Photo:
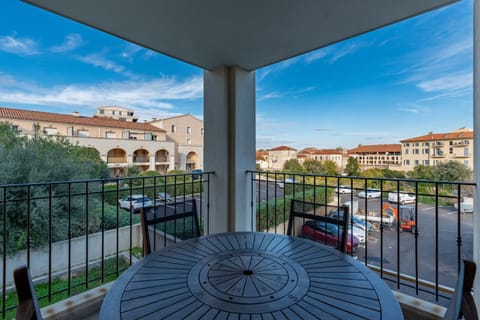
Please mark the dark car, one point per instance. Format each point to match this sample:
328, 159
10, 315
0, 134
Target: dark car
196, 174
328, 233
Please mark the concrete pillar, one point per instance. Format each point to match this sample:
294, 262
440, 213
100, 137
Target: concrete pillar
476, 144
171, 165
152, 162
229, 146
130, 160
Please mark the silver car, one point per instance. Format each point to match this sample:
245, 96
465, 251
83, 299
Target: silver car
135, 202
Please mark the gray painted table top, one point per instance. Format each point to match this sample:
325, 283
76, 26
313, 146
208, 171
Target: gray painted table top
248, 275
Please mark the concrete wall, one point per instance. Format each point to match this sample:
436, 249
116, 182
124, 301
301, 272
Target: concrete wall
39, 258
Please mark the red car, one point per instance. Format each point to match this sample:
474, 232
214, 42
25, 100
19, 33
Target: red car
328, 233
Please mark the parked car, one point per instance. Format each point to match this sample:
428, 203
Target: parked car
401, 197
357, 222
343, 189
328, 233
281, 184
164, 197
135, 202
196, 174
466, 206
370, 193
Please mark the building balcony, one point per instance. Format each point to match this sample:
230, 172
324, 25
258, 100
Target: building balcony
143, 160
438, 155
85, 256
460, 155
116, 160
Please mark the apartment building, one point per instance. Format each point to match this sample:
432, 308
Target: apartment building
120, 143
116, 112
434, 148
338, 156
187, 132
279, 155
378, 156
261, 157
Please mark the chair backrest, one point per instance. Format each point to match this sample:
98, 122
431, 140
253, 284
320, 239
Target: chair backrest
180, 219
310, 211
27, 308
462, 303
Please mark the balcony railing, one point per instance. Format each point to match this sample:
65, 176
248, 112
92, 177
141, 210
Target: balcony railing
116, 159
76, 235
421, 261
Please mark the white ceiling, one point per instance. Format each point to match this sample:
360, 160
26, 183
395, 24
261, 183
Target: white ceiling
247, 33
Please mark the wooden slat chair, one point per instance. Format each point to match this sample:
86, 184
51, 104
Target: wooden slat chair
462, 303
28, 308
308, 211
183, 215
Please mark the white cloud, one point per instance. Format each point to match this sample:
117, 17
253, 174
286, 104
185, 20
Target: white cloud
452, 83
138, 95
99, 60
21, 46
72, 41
271, 95
411, 110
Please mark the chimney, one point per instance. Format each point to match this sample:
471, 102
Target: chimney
76, 114
154, 119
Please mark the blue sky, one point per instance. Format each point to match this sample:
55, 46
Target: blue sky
394, 83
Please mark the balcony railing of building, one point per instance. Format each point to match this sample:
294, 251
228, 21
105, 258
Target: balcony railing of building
141, 159
421, 260
77, 235
116, 159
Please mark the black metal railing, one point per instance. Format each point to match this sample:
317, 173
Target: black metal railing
75, 235
421, 229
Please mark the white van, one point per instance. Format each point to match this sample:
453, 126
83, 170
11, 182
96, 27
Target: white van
402, 197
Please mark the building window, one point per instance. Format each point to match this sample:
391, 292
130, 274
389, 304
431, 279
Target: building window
465, 162
113, 112
101, 111
82, 133
407, 162
465, 152
189, 141
50, 131
109, 134
451, 143
173, 129
70, 131
450, 150
426, 162
406, 151
427, 151
416, 162
189, 130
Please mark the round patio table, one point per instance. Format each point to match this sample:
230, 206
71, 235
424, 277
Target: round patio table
249, 275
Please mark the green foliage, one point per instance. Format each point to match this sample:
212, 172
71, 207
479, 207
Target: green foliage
445, 171
44, 159
276, 211
330, 167
312, 166
292, 165
134, 171
352, 168
177, 171
387, 173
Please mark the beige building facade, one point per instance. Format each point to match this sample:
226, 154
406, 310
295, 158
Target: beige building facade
339, 157
435, 148
187, 132
378, 156
279, 155
116, 112
121, 144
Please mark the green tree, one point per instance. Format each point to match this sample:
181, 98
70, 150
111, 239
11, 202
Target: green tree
292, 165
422, 172
352, 168
41, 159
312, 166
330, 168
452, 171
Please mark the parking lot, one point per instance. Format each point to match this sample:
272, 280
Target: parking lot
433, 254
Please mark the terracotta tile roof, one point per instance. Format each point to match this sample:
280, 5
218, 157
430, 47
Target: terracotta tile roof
261, 153
309, 151
376, 148
283, 148
301, 156
9, 113
442, 136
